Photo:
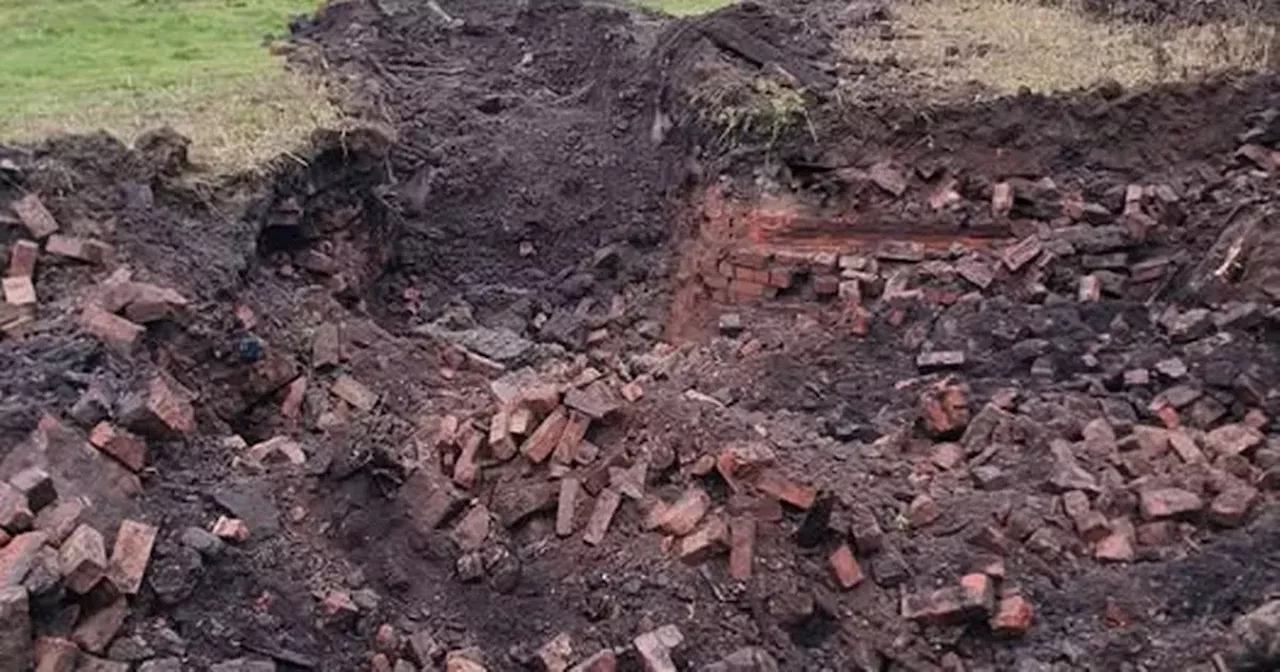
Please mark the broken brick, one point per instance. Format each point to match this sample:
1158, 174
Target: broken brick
17, 557
84, 559
684, 515
276, 448
1168, 503
566, 505
1001, 199
712, 537
1233, 439
845, 567
355, 393
742, 541
60, 520
900, 250
326, 346
1021, 253
37, 486
129, 449
15, 511
944, 411
604, 661
1090, 289
1231, 507
575, 430
521, 421
19, 291
655, 648
160, 411
772, 482
940, 359
1013, 615
55, 654
922, 511
543, 441
502, 446
231, 529
80, 249
632, 392
1118, 545
741, 462
467, 468
888, 178
1185, 446
131, 555
596, 401
973, 598
22, 259
96, 630
39, 222
601, 516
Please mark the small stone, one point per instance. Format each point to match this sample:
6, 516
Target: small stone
231, 529
945, 359
1233, 439
988, 477
845, 567
922, 511
730, 324
1231, 507
556, 653
202, 541
1013, 615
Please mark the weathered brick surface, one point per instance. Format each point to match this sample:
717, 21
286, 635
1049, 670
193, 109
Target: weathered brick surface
130, 449
710, 538
96, 630
845, 567
742, 542
39, 222
84, 559
601, 516
543, 441
131, 555
17, 556
683, 516
354, 392
55, 654
19, 291
22, 259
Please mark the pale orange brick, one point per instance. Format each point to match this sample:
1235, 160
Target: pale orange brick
773, 482
128, 448
19, 291
118, 333
84, 559
231, 529
845, 567
30, 209
742, 543
543, 441
131, 555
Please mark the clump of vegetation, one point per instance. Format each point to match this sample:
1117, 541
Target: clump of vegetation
764, 107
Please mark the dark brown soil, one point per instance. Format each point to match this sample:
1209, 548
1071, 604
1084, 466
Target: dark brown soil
508, 176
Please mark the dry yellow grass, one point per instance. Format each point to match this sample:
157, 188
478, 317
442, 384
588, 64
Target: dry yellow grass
1007, 45
233, 126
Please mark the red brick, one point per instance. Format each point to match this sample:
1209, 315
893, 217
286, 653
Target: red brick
845, 567
757, 276
922, 511
746, 289
601, 516
742, 462
19, 291
567, 505
118, 333
944, 410
521, 421
466, 470
1168, 503
15, 510
129, 449
750, 258
231, 529
71, 247
502, 446
1021, 253
1231, 507
973, 598
159, 411
1185, 446
1013, 615
30, 209
60, 520
22, 259
151, 303
84, 559
782, 278
684, 515
632, 392
542, 398
742, 543
543, 441
96, 630
709, 539
1233, 439
131, 555
826, 285
1169, 416
772, 482
17, 556
1090, 290
1115, 547
54, 654
575, 430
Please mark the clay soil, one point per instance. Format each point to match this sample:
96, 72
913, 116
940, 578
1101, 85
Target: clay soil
548, 193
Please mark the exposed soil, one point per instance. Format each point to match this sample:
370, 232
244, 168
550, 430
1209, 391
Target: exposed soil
545, 193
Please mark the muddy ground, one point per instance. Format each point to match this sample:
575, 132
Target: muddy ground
570, 194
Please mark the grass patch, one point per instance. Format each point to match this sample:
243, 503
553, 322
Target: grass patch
1006, 45
686, 7
201, 66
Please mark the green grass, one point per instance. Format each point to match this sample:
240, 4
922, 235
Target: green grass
687, 7
124, 65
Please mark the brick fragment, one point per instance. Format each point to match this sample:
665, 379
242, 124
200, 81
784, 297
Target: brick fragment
710, 538
845, 567
31, 211
502, 446
684, 515
944, 410
973, 598
160, 411
1233, 439
742, 462
17, 557
742, 542
354, 392
884, 175
74, 247
1021, 253
543, 441
575, 430
83, 557
1090, 289
131, 555
1231, 507
295, 393
15, 511
91, 663
900, 250
655, 648
567, 505
22, 259
521, 421
37, 486
326, 346
1118, 545
1013, 616
632, 392
55, 654
466, 469
96, 630
597, 401
601, 516
922, 511
826, 285
60, 520
128, 448
1168, 503
151, 303
16, 650
231, 529
1001, 199
19, 291
772, 482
